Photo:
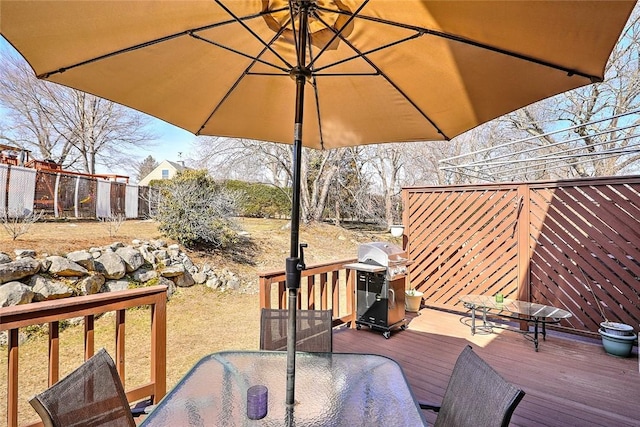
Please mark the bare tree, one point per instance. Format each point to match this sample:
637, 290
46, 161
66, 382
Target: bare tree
71, 127
352, 195
27, 106
100, 131
272, 163
244, 159
388, 160
601, 140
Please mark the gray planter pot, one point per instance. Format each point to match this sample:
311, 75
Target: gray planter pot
617, 345
613, 328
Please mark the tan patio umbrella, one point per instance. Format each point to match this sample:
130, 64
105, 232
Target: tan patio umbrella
356, 71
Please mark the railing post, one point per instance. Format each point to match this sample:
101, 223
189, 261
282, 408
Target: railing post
282, 295
324, 292
159, 348
89, 341
351, 301
120, 341
265, 293
335, 304
12, 383
311, 293
54, 352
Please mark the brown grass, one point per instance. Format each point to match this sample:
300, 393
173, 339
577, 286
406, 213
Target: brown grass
199, 321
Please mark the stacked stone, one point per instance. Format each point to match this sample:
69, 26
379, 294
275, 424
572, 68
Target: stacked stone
115, 267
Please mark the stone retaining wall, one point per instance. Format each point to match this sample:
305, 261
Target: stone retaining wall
27, 278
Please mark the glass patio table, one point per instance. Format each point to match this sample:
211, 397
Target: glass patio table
332, 389
538, 314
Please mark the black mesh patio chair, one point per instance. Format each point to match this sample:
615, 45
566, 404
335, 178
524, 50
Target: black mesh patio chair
313, 330
91, 395
476, 395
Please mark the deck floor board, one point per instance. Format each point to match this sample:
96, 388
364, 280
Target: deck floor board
570, 381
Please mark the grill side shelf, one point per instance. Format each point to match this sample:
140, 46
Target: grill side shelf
366, 267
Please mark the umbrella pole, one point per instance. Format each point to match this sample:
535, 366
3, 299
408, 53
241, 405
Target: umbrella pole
294, 264
293, 274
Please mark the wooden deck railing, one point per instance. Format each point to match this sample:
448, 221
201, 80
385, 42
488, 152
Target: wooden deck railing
52, 312
323, 287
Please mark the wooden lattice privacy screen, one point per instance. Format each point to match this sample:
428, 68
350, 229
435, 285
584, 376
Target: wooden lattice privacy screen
546, 242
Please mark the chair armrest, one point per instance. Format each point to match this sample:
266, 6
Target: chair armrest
429, 407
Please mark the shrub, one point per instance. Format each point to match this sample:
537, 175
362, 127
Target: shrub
113, 223
261, 200
196, 211
16, 224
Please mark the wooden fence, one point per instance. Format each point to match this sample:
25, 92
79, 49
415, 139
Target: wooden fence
555, 243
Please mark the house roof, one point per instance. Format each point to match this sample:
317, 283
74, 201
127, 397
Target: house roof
176, 165
162, 165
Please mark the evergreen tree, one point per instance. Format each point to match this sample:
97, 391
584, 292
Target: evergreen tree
146, 166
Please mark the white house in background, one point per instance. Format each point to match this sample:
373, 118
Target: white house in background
165, 170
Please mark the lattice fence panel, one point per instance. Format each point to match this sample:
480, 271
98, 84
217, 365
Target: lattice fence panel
574, 240
463, 242
585, 241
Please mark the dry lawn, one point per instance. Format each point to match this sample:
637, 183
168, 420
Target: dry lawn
199, 320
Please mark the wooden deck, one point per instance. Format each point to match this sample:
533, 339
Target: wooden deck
569, 382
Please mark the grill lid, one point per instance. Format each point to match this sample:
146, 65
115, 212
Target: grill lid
382, 253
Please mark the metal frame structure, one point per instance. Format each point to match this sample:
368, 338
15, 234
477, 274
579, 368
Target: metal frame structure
540, 157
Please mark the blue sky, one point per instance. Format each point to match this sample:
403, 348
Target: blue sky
170, 141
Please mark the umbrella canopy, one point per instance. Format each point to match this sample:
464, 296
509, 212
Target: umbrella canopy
376, 70
379, 70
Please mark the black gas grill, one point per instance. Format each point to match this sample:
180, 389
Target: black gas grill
380, 281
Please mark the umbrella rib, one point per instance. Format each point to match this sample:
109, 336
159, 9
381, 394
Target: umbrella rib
254, 58
60, 70
189, 32
336, 34
292, 21
369, 52
570, 71
245, 73
389, 80
316, 96
253, 33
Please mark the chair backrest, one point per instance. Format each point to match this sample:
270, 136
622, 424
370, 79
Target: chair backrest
313, 330
477, 395
91, 395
